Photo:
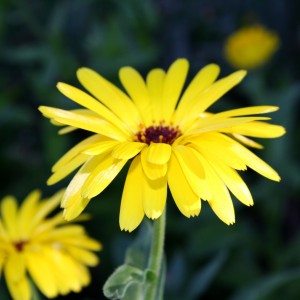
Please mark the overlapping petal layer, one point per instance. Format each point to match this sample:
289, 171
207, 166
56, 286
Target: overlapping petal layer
170, 136
54, 254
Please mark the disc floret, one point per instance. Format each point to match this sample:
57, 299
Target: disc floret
158, 133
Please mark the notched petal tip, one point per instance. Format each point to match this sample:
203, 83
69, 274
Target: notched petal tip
129, 230
153, 215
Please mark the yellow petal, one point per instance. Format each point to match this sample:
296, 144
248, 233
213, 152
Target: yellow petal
73, 211
159, 153
19, 290
2, 259
83, 256
252, 110
219, 88
205, 77
186, 200
66, 129
45, 207
152, 171
86, 122
67, 169
74, 206
84, 242
154, 196
211, 95
60, 233
76, 150
66, 270
89, 102
234, 182
9, 209
50, 223
26, 213
102, 175
193, 171
173, 85
101, 147
15, 267
221, 202
218, 148
132, 211
111, 96
127, 150
137, 90
39, 268
3, 233
257, 129
85, 276
255, 163
212, 124
155, 84
246, 141
72, 200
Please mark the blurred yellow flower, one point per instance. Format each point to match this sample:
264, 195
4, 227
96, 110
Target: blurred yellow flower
250, 47
172, 144
54, 254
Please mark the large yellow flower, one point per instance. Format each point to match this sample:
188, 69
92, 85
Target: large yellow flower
250, 47
56, 255
172, 144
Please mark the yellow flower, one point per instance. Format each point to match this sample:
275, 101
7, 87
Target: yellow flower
250, 47
172, 144
54, 254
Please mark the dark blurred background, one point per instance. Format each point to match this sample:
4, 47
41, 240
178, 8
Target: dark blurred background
43, 42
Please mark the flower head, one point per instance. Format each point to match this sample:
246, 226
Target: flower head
250, 47
55, 255
176, 144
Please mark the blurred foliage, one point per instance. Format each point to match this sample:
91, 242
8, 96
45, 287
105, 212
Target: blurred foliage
46, 41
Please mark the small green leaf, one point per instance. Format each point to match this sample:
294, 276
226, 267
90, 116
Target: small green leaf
122, 278
137, 254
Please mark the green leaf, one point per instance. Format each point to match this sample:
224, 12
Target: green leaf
128, 281
137, 254
122, 278
263, 287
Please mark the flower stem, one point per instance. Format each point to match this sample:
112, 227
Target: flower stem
156, 254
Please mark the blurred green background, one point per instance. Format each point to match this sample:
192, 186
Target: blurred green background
43, 42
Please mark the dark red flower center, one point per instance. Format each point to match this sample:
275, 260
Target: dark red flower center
158, 134
20, 245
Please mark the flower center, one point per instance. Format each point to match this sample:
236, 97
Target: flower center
20, 245
158, 134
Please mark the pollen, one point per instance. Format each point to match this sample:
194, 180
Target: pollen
160, 133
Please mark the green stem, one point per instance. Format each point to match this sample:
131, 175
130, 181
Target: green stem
156, 254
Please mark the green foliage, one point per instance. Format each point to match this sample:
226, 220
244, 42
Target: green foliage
130, 280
